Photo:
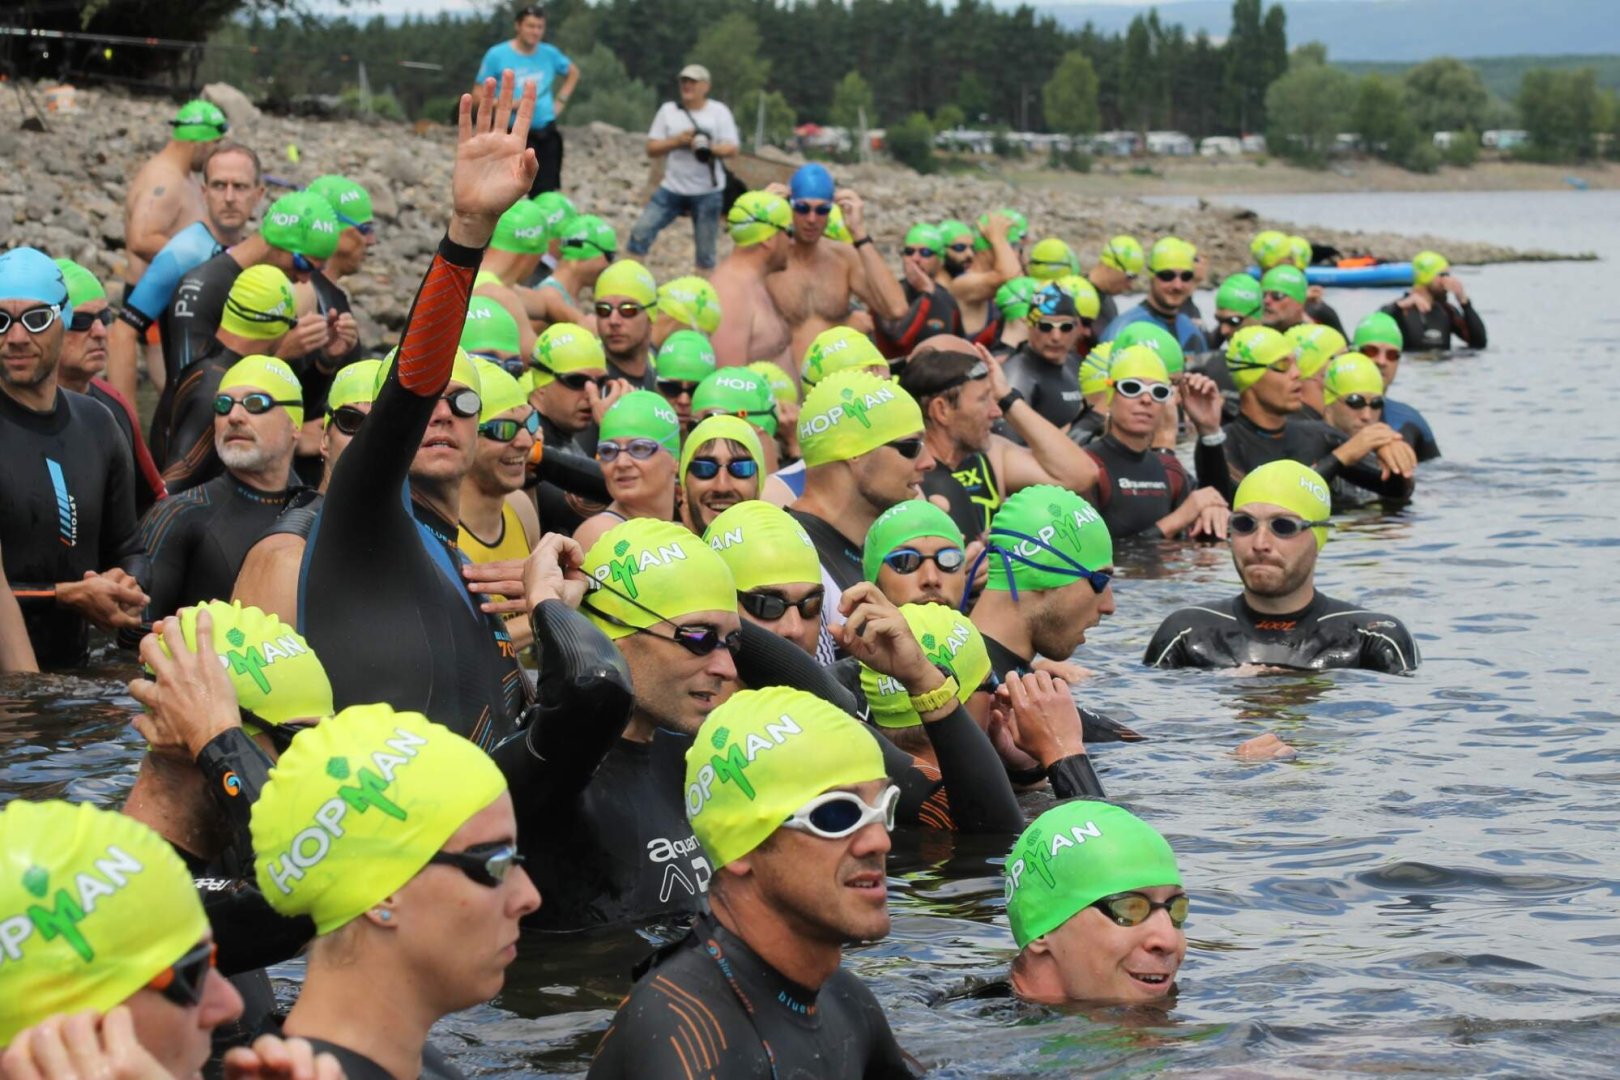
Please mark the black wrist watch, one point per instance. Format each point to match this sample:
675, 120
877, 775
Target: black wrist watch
1009, 399
861, 241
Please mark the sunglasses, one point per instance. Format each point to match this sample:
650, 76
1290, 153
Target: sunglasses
464, 402
574, 381
772, 606
347, 419
909, 449
1134, 908
182, 982
1378, 352
925, 252
1362, 401
1173, 275
707, 468
838, 814
960, 247
36, 320
640, 449
255, 403
674, 388
576, 242
1046, 327
1283, 528
364, 228
84, 320
506, 430
910, 560
487, 864
1277, 297
627, 309
1234, 321
819, 209
696, 639
1131, 388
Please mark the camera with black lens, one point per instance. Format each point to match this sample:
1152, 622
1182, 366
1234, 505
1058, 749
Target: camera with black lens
701, 148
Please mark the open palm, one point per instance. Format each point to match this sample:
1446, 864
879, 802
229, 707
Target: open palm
494, 166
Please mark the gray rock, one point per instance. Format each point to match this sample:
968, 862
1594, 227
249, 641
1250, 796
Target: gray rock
241, 112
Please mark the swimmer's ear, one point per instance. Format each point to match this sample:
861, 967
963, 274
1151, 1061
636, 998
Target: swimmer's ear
382, 915
1037, 947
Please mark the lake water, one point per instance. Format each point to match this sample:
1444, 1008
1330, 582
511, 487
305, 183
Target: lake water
1430, 888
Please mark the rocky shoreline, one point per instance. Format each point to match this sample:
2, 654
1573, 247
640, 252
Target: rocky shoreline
62, 189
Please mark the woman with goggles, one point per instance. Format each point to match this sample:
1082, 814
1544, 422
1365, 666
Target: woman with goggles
640, 439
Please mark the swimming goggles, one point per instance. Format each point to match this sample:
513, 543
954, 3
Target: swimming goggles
838, 814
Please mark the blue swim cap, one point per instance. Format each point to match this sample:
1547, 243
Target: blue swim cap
812, 181
29, 274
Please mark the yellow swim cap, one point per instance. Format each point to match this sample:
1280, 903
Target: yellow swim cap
1094, 368
1124, 253
1172, 253
461, 371
650, 571
277, 676
782, 385
724, 427
838, 348
757, 216
1314, 346
763, 545
357, 806
1084, 294
1428, 265
354, 384
1351, 373
852, 413
692, 302
271, 376
563, 349
1269, 248
498, 390
260, 305
627, 278
949, 640
1293, 487
1050, 259
1137, 362
761, 756
93, 906
1252, 351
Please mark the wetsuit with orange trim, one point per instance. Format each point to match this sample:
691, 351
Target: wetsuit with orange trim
381, 598
927, 315
185, 447
710, 1007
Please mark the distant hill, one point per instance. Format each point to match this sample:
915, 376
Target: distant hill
1397, 30
1501, 74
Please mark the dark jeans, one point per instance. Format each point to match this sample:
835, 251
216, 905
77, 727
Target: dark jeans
547, 144
665, 207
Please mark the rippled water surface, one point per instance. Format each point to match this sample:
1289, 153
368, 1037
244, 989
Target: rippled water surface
1430, 888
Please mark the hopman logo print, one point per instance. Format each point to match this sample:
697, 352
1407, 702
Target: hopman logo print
730, 766
59, 916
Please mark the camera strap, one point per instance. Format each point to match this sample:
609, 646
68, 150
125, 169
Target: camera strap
712, 178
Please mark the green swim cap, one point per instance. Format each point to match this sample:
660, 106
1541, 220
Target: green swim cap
1074, 855
1240, 293
277, 676
734, 428
1300, 251
358, 805
497, 389
952, 230
556, 209
1136, 362
949, 640
1156, 338
739, 790
1015, 235
851, 413
563, 349
351, 201
783, 388
586, 236
899, 525
521, 230
692, 302
1016, 297
1293, 487
83, 287
836, 229
630, 279
685, 355
658, 565
260, 305
1269, 248
1050, 259
1252, 351
924, 235
1315, 345
733, 391
839, 348
643, 414
1041, 537
1172, 253
93, 906
270, 375
199, 121
490, 329
764, 546
303, 223
1094, 369
1351, 373
1124, 253
757, 216
352, 385
1287, 279
1087, 302
1379, 328
1426, 266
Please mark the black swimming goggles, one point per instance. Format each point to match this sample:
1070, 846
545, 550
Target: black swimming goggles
1134, 908
697, 639
768, 607
254, 403
183, 981
487, 864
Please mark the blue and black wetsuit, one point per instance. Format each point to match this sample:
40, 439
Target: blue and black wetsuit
1326, 633
186, 250
1413, 428
193, 314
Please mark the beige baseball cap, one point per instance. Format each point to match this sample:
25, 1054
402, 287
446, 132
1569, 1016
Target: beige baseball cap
695, 71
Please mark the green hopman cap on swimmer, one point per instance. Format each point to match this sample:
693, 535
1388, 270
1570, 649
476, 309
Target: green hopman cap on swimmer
277, 676
761, 756
1124, 253
563, 349
630, 279
1379, 328
1351, 373
853, 413
659, 566
951, 231
764, 546
353, 385
1428, 265
1041, 537
587, 236
643, 414
1292, 486
1016, 297
521, 230
1156, 338
949, 640
199, 121
839, 348
1240, 293
303, 223
499, 391
349, 199
1050, 259
685, 356
734, 428
781, 383
757, 216
898, 526
270, 375
925, 235
93, 906
490, 329
357, 806
1074, 855
1287, 279
1315, 345
556, 209
735, 391
83, 287
260, 305
1015, 235
1252, 351
692, 302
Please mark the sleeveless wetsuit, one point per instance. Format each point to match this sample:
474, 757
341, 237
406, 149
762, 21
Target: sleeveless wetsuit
978, 483
1052, 389
381, 598
1435, 328
67, 506
1309, 442
149, 487
1135, 488
710, 1007
1328, 633
188, 456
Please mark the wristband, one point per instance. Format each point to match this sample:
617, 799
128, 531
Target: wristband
1215, 439
862, 240
1009, 399
936, 698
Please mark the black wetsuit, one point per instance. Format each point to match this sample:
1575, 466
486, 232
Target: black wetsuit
709, 1006
1135, 488
67, 506
1323, 315
1095, 727
149, 486
1107, 311
196, 541
1327, 633
1053, 390
1434, 329
647, 380
193, 315
183, 441
558, 512
971, 488
1309, 442
316, 370
1088, 427
927, 315
381, 598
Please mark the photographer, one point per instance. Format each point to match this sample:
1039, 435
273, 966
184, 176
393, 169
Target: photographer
695, 134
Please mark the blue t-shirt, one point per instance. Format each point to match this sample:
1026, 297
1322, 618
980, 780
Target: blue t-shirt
1186, 331
186, 250
542, 66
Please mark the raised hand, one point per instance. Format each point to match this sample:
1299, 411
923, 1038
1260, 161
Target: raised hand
494, 165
